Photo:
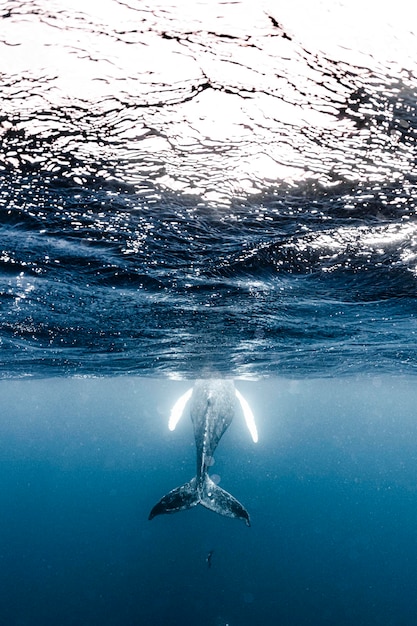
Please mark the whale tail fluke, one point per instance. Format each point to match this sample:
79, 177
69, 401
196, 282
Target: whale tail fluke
179, 499
220, 501
206, 493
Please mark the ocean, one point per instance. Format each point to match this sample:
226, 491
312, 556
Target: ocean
207, 190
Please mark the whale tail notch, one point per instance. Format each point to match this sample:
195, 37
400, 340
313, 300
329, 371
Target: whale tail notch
207, 493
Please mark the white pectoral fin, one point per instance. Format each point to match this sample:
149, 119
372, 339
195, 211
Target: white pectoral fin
248, 415
178, 409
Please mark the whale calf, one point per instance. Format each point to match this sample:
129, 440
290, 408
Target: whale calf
212, 408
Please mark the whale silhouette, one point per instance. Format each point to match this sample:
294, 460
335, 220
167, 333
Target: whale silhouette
213, 405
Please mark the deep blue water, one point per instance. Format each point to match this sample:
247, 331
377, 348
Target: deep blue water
191, 190
330, 488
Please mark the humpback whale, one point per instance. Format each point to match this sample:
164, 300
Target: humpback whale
212, 408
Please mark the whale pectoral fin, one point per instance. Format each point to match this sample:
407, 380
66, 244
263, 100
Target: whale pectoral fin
248, 415
179, 499
220, 501
178, 409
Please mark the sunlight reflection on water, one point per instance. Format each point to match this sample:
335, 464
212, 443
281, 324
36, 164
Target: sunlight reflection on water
211, 181
230, 96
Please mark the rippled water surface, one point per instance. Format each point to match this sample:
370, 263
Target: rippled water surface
200, 187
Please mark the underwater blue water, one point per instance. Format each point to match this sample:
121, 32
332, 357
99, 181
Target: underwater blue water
330, 488
204, 190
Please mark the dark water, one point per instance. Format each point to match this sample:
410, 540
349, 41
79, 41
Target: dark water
192, 190
330, 488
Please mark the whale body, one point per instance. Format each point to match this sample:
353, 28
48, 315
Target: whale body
213, 406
